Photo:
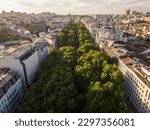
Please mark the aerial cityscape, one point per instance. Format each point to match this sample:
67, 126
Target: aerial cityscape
76, 56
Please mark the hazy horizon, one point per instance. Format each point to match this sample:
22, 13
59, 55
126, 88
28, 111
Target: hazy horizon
75, 6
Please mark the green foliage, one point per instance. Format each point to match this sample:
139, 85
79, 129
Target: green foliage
76, 77
85, 48
61, 40
68, 37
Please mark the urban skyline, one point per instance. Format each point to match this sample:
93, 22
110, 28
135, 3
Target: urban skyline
75, 6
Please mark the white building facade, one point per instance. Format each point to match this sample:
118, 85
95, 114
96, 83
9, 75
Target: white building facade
136, 85
25, 62
11, 93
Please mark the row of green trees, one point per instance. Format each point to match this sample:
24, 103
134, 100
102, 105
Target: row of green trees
76, 77
102, 80
68, 37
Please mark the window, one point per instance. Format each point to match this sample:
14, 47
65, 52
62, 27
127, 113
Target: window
149, 96
146, 93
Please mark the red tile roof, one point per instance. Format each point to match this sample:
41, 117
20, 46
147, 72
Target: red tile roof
127, 59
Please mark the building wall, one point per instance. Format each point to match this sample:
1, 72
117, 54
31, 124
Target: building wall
112, 36
42, 54
137, 91
39, 27
31, 67
10, 101
15, 65
27, 68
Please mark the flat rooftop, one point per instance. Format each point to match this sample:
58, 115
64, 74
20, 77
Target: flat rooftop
120, 51
142, 71
139, 71
14, 50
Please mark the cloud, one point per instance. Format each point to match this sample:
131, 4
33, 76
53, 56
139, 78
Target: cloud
40, 4
116, 6
76, 6
113, 3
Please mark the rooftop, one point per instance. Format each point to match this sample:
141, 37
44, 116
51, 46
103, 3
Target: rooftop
120, 51
126, 60
14, 50
141, 71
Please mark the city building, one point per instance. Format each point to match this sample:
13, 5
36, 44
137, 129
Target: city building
55, 25
11, 90
128, 12
24, 59
136, 84
112, 34
37, 27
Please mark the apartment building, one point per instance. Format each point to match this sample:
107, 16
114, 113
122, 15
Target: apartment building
136, 84
38, 26
110, 33
24, 60
55, 25
11, 90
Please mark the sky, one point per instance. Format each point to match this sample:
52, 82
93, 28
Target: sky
75, 6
